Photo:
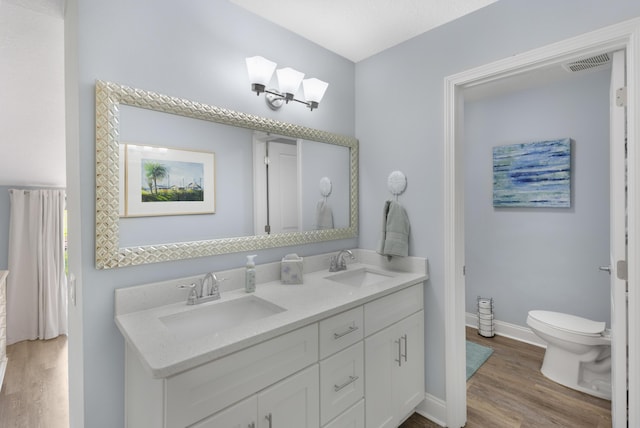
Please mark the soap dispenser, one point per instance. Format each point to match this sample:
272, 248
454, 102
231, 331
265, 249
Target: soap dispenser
250, 275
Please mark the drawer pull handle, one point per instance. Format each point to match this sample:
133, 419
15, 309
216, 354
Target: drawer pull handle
268, 417
351, 329
352, 379
405, 347
399, 359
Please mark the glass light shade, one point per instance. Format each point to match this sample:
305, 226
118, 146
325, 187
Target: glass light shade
260, 70
289, 80
314, 89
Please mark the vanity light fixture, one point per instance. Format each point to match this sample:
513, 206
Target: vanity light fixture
260, 72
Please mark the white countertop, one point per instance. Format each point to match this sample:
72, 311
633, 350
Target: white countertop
165, 353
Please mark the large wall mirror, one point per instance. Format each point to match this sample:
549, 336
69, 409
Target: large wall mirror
177, 179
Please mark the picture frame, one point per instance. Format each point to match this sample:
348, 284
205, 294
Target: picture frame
163, 181
533, 175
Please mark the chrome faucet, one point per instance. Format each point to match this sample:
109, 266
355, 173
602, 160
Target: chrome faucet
338, 262
210, 281
208, 289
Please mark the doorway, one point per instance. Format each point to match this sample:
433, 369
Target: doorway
277, 190
618, 37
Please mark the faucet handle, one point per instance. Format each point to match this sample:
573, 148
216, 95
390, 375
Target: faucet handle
342, 264
333, 264
193, 294
215, 286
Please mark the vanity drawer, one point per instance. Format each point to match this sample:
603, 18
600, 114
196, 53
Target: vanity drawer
340, 331
341, 381
197, 393
352, 418
392, 308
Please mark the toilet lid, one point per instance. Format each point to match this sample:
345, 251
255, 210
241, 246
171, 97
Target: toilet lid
568, 322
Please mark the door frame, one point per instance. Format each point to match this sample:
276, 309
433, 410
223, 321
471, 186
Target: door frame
625, 35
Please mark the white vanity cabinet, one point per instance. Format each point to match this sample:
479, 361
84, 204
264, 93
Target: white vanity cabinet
361, 367
292, 402
194, 395
394, 357
241, 415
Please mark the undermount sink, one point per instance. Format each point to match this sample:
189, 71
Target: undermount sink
215, 317
359, 277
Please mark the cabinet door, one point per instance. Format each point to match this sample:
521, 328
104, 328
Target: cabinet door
381, 351
394, 372
291, 403
408, 390
241, 415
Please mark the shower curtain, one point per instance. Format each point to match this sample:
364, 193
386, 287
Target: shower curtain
37, 284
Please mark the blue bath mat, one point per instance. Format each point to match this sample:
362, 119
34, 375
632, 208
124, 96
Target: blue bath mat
476, 356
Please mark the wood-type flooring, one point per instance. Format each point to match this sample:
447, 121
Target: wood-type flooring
508, 391
35, 389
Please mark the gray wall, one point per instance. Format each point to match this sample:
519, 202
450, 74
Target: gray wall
399, 121
197, 51
536, 258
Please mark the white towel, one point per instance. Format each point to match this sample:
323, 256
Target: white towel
324, 215
395, 231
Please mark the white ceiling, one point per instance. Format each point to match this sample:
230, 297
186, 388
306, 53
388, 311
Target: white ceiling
358, 29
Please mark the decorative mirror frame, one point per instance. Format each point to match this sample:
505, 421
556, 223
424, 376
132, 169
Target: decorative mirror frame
109, 254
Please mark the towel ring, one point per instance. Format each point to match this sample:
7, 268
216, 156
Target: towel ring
325, 187
397, 183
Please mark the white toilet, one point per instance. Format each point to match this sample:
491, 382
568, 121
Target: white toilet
578, 351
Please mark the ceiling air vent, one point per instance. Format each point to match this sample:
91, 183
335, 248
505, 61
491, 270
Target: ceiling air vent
587, 63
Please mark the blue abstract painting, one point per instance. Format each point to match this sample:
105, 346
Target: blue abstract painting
532, 174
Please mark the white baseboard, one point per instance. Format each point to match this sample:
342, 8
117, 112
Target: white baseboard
512, 331
433, 409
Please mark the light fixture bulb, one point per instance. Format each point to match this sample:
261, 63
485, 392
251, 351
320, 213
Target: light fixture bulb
314, 89
289, 81
260, 71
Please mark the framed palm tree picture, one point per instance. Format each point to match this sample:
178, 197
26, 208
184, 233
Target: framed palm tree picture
160, 181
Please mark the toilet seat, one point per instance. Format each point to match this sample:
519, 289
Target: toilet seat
569, 323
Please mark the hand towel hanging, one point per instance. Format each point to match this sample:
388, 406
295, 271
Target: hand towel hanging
324, 215
395, 231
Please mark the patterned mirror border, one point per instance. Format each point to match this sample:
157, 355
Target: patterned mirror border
109, 254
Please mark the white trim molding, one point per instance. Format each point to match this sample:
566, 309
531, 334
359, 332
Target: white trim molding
512, 331
433, 408
625, 35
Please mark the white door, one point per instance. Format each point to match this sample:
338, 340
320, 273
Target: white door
618, 245
283, 187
